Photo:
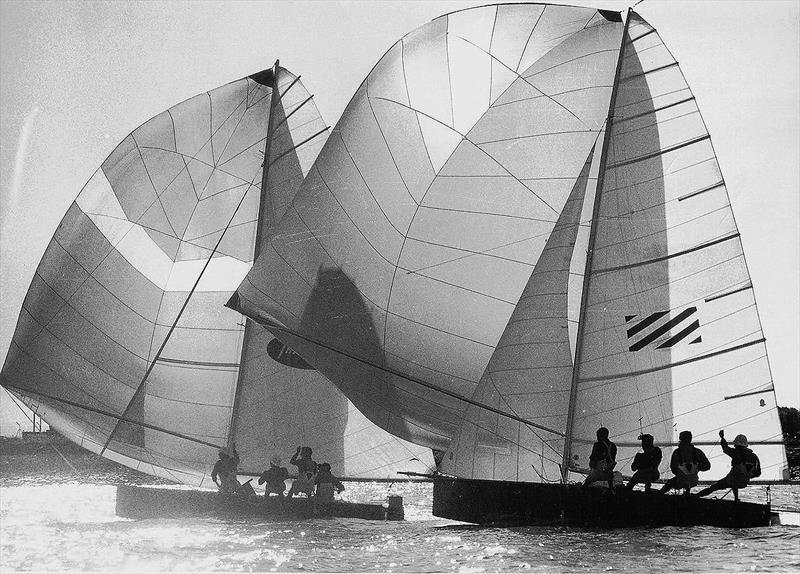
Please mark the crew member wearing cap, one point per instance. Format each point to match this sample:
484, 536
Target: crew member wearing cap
645, 464
744, 466
225, 470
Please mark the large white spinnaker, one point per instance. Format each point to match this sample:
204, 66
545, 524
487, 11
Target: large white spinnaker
104, 349
397, 267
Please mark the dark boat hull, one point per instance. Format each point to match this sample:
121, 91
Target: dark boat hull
509, 503
148, 502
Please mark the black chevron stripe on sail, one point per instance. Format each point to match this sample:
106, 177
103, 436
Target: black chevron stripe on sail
663, 329
680, 336
644, 323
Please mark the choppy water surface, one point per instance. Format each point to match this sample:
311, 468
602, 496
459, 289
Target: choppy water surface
46, 526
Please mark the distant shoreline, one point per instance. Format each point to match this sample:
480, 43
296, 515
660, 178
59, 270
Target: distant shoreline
50, 454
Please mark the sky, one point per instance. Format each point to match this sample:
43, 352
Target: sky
77, 77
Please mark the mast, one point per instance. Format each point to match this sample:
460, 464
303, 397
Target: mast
565, 460
265, 213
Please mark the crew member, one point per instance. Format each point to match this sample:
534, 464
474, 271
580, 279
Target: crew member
274, 477
744, 466
602, 460
225, 469
306, 469
686, 462
645, 464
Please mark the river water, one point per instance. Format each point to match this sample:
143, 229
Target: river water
52, 524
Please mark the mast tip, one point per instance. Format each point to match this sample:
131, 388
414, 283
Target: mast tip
264, 77
610, 15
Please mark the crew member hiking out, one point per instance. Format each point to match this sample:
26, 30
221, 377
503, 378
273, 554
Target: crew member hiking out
326, 484
645, 464
306, 469
686, 462
602, 460
744, 466
224, 472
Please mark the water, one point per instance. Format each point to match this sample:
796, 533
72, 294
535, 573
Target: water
56, 523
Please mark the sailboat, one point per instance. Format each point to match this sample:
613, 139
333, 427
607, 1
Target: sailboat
123, 344
518, 232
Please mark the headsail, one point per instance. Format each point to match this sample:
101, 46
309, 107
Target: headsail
399, 263
180, 192
529, 373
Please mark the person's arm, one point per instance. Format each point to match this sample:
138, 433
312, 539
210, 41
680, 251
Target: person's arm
702, 460
657, 457
595, 455
674, 463
293, 460
636, 461
724, 444
215, 473
263, 478
725, 448
755, 472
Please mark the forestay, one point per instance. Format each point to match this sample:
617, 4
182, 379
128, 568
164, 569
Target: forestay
103, 350
400, 261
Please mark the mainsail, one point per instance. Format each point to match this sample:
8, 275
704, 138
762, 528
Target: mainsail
402, 257
123, 343
669, 338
